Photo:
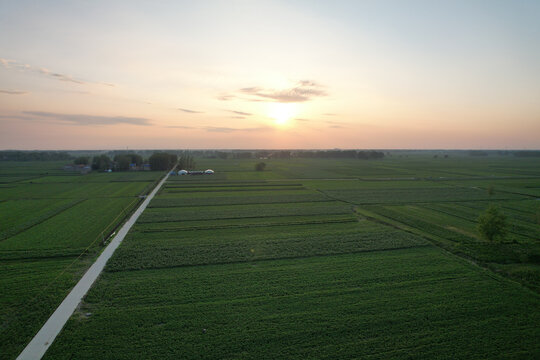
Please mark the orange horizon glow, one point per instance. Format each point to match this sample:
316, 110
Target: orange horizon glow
236, 75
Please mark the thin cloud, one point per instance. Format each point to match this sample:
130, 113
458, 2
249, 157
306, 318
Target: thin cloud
83, 119
179, 127
229, 130
13, 92
302, 91
190, 111
21, 67
237, 117
225, 97
301, 119
239, 113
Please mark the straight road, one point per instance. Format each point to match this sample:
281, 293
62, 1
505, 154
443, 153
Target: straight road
37, 347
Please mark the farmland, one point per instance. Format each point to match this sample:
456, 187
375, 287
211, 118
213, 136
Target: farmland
53, 224
322, 258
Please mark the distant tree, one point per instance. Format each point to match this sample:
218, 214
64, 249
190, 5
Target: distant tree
492, 224
123, 161
260, 166
222, 155
101, 162
162, 161
82, 160
186, 162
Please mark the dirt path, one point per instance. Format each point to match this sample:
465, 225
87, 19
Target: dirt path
37, 347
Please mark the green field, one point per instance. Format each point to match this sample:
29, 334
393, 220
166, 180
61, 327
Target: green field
53, 224
321, 258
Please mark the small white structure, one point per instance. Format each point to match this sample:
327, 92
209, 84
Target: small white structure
209, 171
172, 173
182, 172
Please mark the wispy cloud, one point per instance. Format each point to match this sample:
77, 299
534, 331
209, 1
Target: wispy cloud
225, 97
229, 129
301, 91
22, 67
190, 111
83, 119
179, 127
301, 119
239, 113
13, 92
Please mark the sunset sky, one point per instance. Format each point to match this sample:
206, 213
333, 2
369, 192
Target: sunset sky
269, 74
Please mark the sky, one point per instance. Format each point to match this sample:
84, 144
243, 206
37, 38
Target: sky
270, 74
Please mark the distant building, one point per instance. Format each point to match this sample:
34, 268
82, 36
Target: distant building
182, 172
209, 172
146, 167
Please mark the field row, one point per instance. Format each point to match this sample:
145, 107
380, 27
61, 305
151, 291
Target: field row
350, 306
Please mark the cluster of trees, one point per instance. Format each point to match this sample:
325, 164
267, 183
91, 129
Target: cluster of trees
186, 162
82, 160
162, 161
123, 161
12, 155
101, 163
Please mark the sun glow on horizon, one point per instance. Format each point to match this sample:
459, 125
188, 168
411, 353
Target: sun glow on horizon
282, 113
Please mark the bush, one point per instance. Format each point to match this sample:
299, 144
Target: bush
260, 166
492, 224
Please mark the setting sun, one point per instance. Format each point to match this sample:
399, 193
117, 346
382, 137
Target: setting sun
281, 113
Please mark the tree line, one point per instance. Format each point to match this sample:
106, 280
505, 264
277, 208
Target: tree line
122, 162
288, 154
15, 155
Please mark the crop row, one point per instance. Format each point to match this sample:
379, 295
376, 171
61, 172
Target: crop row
245, 223
163, 202
369, 305
19, 215
75, 228
415, 195
157, 250
73, 190
242, 211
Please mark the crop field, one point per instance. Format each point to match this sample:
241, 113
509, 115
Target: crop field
53, 224
322, 258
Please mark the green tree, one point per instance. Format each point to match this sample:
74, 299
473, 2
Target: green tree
492, 224
260, 166
122, 161
186, 162
101, 162
82, 160
162, 161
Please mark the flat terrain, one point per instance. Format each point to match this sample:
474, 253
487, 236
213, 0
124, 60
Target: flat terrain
323, 259
54, 223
